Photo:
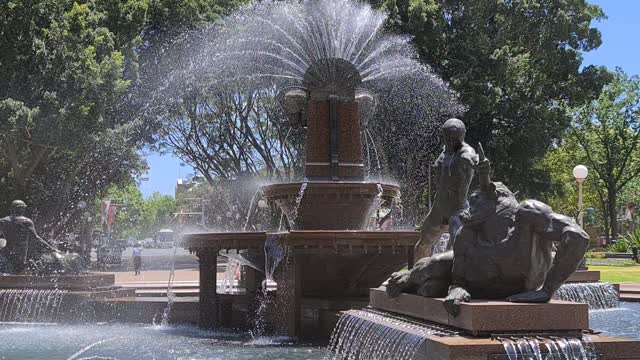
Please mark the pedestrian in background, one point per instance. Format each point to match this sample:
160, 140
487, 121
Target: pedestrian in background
137, 258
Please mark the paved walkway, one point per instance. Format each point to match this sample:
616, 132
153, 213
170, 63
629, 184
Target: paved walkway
191, 275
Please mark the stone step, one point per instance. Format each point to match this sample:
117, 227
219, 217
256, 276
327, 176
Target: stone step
630, 288
158, 284
163, 292
629, 297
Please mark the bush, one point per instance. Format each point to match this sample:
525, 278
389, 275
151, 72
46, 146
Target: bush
595, 255
632, 238
620, 246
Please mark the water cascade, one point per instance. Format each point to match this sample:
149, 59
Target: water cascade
375, 334
166, 314
555, 348
29, 305
294, 213
596, 295
249, 211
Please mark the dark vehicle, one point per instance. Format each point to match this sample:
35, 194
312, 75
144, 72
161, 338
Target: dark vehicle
121, 243
165, 239
109, 256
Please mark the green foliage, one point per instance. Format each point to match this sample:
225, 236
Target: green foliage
514, 64
140, 218
632, 238
604, 137
66, 132
619, 246
595, 255
608, 132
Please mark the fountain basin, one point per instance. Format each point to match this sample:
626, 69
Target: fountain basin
330, 205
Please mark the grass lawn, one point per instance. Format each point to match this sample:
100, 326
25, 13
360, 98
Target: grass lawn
618, 274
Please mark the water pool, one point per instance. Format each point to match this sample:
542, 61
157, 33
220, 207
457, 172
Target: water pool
139, 341
131, 341
622, 321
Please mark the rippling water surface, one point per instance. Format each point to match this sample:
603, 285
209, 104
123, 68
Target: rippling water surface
138, 341
621, 321
130, 341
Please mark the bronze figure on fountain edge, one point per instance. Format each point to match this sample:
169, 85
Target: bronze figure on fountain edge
22, 250
500, 249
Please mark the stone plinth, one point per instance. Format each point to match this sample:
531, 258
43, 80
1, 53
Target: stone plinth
61, 282
584, 276
488, 317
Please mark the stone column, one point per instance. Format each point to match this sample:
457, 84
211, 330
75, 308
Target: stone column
208, 260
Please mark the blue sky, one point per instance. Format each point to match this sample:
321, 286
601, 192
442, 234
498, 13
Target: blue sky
620, 47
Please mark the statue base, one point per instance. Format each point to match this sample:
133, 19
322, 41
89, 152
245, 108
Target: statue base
484, 329
486, 317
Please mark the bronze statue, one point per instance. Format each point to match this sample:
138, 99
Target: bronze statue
502, 250
24, 250
454, 168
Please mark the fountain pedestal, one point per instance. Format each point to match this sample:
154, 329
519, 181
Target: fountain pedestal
324, 273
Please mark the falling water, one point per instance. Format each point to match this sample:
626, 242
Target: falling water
253, 200
294, 211
274, 253
555, 348
166, 314
398, 207
30, 305
373, 334
378, 200
596, 295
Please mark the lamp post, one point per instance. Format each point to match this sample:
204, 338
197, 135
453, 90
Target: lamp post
82, 205
580, 172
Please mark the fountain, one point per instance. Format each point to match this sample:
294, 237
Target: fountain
41, 283
334, 68
333, 73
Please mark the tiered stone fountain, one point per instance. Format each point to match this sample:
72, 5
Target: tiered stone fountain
331, 259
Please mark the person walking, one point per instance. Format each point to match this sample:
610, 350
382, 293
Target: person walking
137, 258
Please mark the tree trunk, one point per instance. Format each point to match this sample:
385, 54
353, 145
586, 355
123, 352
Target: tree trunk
612, 199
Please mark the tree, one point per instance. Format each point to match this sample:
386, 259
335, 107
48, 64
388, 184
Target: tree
65, 90
562, 195
608, 130
139, 217
514, 64
237, 138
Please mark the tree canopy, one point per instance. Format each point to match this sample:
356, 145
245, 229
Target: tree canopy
514, 64
66, 129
